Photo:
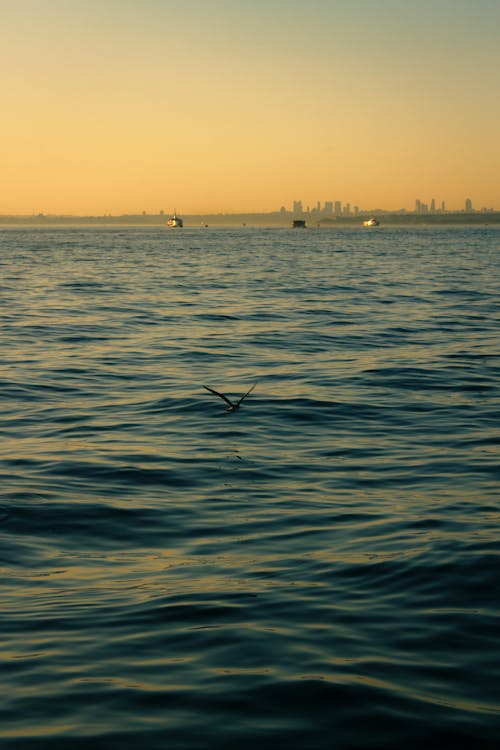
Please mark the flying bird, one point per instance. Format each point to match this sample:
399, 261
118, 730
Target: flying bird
230, 405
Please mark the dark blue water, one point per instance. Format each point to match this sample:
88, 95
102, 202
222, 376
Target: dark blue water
318, 569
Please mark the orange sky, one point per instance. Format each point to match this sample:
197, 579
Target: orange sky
115, 106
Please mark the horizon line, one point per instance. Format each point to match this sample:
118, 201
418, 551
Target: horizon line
275, 212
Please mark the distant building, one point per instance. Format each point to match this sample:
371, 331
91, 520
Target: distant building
328, 207
443, 207
338, 208
418, 206
297, 207
468, 206
433, 206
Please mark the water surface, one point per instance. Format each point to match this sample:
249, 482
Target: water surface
319, 569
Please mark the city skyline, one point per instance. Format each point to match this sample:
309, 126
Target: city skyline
337, 208
217, 106
321, 210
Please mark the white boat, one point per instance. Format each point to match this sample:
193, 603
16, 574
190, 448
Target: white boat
371, 223
175, 221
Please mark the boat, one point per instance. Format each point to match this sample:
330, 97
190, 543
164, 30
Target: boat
175, 221
371, 223
299, 224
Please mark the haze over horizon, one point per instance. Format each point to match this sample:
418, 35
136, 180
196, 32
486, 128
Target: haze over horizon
232, 105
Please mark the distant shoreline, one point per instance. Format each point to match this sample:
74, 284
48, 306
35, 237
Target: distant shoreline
275, 219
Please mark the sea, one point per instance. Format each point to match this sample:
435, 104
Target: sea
318, 569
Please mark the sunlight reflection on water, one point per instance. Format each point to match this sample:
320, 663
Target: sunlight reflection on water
176, 574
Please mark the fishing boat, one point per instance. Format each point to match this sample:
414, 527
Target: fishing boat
175, 221
371, 223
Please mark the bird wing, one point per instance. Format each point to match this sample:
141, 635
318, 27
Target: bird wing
220, 395
246, 394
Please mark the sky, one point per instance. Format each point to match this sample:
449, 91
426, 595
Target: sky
124, 106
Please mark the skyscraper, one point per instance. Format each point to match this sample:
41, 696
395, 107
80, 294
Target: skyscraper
468, 206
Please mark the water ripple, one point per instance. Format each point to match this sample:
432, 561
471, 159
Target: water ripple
318, 568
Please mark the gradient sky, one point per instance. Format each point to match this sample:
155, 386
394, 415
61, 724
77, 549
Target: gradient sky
115, 106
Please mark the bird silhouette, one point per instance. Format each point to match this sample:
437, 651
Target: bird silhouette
231, 406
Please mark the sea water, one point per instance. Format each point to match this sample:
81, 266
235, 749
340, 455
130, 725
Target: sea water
317, 569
